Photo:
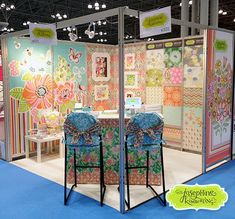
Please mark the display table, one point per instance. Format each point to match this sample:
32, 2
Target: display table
48, 139
110, 135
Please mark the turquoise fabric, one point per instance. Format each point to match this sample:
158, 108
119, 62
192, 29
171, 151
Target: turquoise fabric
145, 121
82, 121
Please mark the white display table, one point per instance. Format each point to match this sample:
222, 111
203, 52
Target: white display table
48, 139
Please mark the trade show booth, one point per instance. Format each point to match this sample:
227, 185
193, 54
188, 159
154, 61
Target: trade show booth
187, 81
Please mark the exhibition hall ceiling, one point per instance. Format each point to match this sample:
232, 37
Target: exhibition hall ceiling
18, 13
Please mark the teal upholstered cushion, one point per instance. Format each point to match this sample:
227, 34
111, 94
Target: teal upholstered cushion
83, 121
144, 121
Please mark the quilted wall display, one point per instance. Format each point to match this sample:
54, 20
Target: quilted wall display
42, 78
219, 96
164, 79
193, 94
102, 73
135, 70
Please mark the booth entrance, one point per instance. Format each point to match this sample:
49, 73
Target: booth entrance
175, 77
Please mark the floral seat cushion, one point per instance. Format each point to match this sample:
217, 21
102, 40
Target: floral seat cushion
82, 130
144, 131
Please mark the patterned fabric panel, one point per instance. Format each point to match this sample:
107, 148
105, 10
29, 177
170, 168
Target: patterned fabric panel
193, 97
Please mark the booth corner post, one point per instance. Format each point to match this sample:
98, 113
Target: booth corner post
121, 107
6, 98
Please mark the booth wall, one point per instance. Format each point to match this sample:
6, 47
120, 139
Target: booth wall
102, 71
219, 96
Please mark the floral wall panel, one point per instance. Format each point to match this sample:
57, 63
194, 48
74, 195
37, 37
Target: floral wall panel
219, 96
102, 73
192, 129
31, 86
69, 74
135, 70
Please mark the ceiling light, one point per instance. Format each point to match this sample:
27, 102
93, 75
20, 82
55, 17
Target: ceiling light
105, 22
105, 33
11, 29
100, 33
65, 16
80, 37
99, 23
220, 11
53, 16
3, 5
58, 15
8, 8
101, 40
69, 28
103, 6
234, 20
89, 6
131, 15
60, 18
105, 40
24, 23
72, 36
98, 40
74, 28
180, 4
90, 33
28, 22
225, 13
190, 2
12, 6
64, 29
97, 8
96, 4
131, 37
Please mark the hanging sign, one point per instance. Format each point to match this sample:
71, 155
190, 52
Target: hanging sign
155, 22
43, 33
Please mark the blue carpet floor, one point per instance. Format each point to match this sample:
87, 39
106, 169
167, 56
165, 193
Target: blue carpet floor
24, 195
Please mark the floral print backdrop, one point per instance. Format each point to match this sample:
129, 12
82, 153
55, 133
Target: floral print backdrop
219, 96
42, 78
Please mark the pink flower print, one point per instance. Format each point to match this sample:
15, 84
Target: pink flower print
14, 67
109, 137
34, 114
176, 75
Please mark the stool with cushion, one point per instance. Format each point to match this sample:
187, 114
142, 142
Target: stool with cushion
82, 130
144, 132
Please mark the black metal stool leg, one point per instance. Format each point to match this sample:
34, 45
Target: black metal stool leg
147, 170
65, 176
102, 184
74, 165
163, 177
127, 177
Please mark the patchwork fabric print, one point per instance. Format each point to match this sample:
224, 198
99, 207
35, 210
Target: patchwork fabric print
173, 57
172, 116
193, 77
193, 97
154, 95
173, 76
155, 59
172, 96
173, 136
154, 77
193, 56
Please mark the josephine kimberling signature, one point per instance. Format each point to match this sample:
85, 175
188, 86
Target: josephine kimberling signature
191, 197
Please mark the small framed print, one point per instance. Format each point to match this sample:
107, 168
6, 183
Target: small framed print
101, 92
100, 67
130, 61
131, 80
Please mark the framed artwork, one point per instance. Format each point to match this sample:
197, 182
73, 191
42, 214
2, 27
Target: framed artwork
131, 80
101, 92
130, 61
100, 67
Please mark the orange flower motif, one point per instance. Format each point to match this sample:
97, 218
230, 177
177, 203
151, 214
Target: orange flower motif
38, 93
64, 92
173, 96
